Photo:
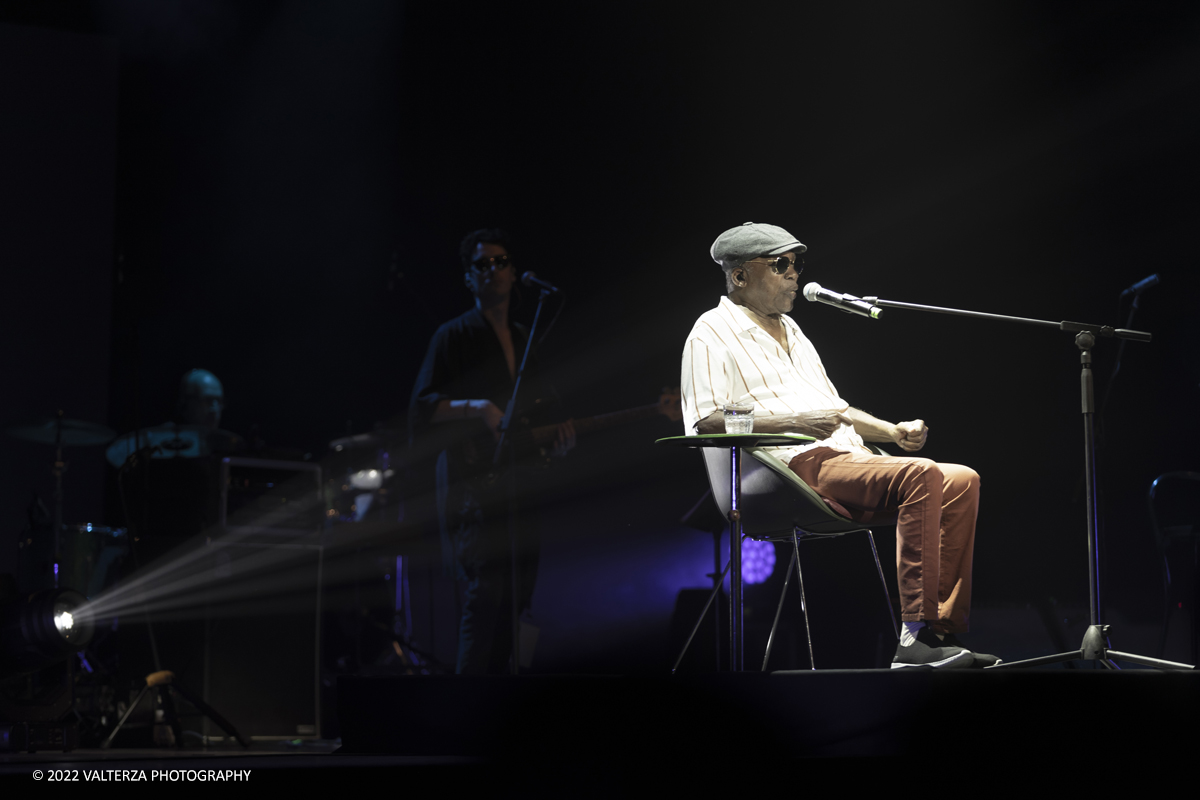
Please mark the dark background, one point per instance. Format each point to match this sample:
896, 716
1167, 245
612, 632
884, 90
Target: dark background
286, 183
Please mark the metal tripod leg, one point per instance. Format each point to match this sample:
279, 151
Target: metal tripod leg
107, 743
712, 596
212, 714
1095, 648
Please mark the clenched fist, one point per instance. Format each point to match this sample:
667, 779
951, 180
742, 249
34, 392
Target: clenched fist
910, 436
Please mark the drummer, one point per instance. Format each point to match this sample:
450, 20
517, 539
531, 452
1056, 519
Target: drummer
196, 431
169, 489
201, 399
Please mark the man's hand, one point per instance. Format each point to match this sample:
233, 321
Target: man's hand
565, 439
487, 411
819, 424
910, 436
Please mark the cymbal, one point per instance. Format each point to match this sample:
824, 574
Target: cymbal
380, 437
173, 441
356, 441
75, 432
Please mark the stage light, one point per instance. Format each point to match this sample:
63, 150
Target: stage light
38, 630
369, 479
64, 622
758, 560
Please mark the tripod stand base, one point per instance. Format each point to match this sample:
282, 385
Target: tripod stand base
164, 681
1095, 648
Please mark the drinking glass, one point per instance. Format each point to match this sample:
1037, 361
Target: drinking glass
739, 417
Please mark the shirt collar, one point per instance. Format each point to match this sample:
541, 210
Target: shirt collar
740, 321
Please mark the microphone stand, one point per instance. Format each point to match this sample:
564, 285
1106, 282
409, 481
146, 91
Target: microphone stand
1096, 644
1133, 307
60, 467
503, 448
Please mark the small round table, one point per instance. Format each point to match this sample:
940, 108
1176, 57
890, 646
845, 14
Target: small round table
735, 442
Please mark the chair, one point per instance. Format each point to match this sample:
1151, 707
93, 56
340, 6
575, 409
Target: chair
1175, 518
777, 506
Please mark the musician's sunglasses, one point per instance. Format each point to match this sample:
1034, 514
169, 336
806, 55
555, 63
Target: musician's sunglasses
493, 264
780, 264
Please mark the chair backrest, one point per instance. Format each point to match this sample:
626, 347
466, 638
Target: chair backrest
774, 500
1174, 506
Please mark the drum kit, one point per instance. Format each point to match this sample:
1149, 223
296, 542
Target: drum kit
362, 475
92, 557
84, 556
77, 556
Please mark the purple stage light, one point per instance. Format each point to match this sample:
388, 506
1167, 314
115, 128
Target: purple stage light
758, 560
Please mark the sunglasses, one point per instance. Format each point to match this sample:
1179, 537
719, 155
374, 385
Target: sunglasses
493, 264
781, 264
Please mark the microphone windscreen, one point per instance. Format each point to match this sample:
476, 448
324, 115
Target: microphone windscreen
810, 291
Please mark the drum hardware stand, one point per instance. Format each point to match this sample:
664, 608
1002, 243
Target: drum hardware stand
164, 681
702, 517
1095, 645
61, 433
60, 467
131, 461
404, 645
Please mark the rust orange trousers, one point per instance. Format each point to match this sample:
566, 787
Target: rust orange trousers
934, 507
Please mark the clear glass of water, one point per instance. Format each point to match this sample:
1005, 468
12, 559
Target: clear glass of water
739, 418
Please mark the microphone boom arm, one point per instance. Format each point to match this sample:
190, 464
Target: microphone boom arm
1071, 327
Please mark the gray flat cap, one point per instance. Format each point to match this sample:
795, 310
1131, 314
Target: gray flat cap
751, 240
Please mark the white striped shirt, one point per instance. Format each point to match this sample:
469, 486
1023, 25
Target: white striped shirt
728, 358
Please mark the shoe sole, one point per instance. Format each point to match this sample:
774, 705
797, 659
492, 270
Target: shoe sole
961, 659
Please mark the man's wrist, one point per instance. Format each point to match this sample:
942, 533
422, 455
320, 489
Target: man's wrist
468, 409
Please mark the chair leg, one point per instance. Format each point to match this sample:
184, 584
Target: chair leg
883, 582
778, 609
700, 619
1167, 608
803, 603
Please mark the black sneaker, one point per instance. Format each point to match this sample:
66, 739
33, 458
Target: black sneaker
929, 651
981, 659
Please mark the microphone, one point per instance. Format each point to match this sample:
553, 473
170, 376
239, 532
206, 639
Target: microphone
531, 280
1142, 285
813, 293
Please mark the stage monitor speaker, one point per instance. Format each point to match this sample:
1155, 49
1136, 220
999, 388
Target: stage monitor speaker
262, 639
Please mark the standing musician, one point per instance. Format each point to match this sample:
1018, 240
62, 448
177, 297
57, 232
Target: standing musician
748, 350
458, 402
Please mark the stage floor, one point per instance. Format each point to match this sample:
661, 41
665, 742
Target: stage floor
823, 714
605, 733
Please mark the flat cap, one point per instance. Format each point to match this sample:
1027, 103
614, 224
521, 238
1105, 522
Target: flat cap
751, 240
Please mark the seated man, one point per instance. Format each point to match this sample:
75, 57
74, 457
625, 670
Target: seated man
748, 350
